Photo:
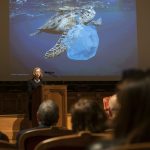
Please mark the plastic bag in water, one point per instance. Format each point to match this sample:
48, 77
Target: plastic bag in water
82, 42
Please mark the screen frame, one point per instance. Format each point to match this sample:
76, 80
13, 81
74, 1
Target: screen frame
143, 33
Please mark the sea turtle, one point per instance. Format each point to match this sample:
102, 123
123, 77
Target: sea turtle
65, 19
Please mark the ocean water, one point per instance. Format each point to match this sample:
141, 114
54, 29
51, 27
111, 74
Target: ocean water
117, 49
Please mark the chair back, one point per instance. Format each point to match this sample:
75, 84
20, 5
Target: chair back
31, 138
4, 145
78, 141
136, 146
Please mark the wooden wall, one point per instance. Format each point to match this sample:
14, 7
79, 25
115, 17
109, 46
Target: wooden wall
14, 97
14, 102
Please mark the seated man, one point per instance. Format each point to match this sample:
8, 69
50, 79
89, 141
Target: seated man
47, 116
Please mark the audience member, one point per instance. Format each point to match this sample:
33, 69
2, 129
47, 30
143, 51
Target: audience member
47, 116
114, 106
130, 76
88, 116
133, 109
134, 112
111, 106
107, 107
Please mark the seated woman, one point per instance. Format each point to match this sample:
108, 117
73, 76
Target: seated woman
87, 115
133, 117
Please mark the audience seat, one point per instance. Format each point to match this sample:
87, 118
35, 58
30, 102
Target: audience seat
71, 142
136, 146
4, 145
31, 138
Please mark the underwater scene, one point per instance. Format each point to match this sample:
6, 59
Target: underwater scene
73, 38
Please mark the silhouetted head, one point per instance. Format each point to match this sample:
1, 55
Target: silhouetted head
131, 76
134, 102
87, 115
48, 113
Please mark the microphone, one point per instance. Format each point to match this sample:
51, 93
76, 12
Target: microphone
49, 72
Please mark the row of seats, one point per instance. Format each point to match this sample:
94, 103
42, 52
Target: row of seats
40, 138
82, 141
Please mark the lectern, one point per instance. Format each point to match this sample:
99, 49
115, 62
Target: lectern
57, 93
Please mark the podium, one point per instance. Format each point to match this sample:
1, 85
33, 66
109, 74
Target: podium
57, 93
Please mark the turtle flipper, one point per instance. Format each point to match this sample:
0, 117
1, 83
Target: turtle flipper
58, 49
35, 33
55, 51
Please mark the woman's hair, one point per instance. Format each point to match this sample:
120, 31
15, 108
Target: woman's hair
130, 76
133, 75
34, 70
140, 134
134, 108
88, 115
